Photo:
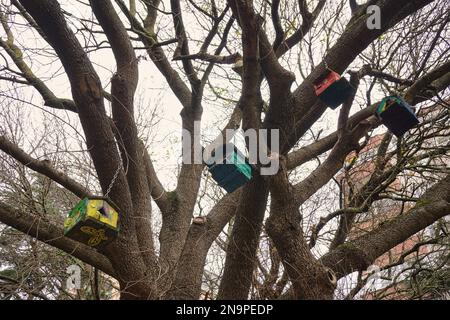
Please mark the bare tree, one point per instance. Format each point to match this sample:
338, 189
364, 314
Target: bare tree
276, 236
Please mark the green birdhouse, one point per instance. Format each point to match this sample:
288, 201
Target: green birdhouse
93, 221
230, 169
397, 115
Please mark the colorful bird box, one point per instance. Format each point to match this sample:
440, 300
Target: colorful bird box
332, 89
93, 221
397, 115
229, 168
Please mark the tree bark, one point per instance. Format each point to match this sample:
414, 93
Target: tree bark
243, 242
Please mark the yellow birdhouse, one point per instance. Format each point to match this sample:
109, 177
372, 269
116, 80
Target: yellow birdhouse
93, 221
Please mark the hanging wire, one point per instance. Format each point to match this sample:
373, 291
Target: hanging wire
116, 174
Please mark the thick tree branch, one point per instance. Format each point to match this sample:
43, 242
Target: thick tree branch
44, 231
148, 37
217, 52
202, 233
183, 47
427, 79
368, 70
362, 200
279, 79
152, 13
27, 17
358, 254
188, 181
157, 190
43, 167
250, 95
279, 32
307, 24
87, 93
243, 241
353, 41
285, 229
213, 32
17, 57
347, 141
123, 87
200, 237
308, 153
244, 238
284, 223
230, 59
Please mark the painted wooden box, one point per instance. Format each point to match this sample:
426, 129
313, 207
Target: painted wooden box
93, 221
332, 89
397, 115
229, 168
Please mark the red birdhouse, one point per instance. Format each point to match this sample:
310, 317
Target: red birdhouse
323, 83
333, 89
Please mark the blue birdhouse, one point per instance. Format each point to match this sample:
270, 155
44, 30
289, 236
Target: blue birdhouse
229, 167
332, 89
397, 115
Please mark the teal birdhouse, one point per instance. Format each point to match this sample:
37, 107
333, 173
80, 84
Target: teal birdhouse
93, 221
332, 89
229, 167
397, 115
